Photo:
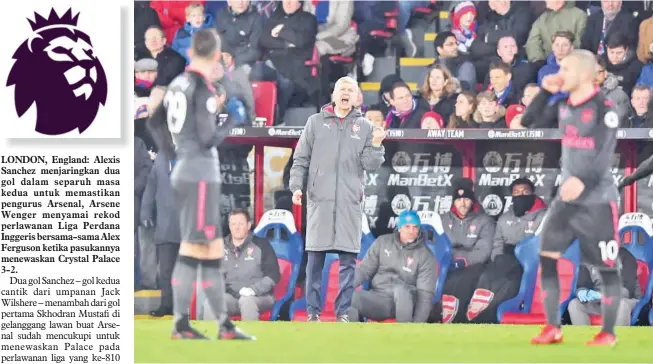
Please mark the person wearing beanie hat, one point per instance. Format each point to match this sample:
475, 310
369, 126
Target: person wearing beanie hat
463, 23
432, 120
401, 271
514, 114
471, 232
501, 279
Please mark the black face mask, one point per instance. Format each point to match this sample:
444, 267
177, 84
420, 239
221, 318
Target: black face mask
522, 203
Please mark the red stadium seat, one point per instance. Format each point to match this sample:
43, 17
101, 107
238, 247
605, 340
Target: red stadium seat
566, 271
265, 100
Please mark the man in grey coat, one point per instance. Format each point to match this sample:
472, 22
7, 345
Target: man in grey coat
337, 146
159, 211
401, 269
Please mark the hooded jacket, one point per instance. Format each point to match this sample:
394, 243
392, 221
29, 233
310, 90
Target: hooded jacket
330, 160
512, 229
390, 262
181, 42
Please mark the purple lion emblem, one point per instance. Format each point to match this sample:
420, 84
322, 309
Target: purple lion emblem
56, 69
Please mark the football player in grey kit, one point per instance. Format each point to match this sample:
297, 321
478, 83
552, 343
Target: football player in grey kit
184, 126
586, 208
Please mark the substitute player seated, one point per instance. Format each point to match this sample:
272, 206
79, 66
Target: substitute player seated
588, 292
501, 279
471, 232
251, 270
401, 269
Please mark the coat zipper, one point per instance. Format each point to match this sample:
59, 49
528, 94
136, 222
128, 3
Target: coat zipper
340, 129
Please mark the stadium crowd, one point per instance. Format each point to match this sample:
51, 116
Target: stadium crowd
481, 70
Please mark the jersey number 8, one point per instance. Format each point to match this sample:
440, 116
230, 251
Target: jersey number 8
175, 104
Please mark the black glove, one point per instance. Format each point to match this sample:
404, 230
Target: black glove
625, 182
148, 223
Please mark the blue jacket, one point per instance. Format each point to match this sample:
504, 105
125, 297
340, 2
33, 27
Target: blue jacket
181, 43
646, 77
551, 67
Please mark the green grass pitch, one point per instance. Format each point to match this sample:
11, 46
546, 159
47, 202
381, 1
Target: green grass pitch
301, 342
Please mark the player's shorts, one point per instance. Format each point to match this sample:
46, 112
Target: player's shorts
199, 210
595, 226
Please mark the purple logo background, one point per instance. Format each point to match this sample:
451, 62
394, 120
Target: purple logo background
56, 69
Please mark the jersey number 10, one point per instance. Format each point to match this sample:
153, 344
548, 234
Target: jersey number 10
176, 107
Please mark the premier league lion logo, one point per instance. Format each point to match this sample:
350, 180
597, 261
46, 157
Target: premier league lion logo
56, 69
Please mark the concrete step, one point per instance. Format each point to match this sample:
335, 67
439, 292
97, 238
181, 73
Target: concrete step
146, 301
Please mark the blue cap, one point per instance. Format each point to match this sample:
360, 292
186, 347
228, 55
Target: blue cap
408, 217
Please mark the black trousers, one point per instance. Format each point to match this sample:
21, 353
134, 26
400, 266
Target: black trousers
167, 257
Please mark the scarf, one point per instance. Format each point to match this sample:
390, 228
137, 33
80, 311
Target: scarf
143, 83
501, 99
464, 35
401, 116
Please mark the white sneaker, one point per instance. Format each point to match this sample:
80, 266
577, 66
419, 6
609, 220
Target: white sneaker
368, 64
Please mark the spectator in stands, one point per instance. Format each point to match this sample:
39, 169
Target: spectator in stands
385, 92
463, 25
359, 101
471, 232
439, 90
335, 35
646, 76
446, 48
142, 164
508, 52
505, 18
144, 17
170, 63
644, 52
611, 90
587, 302
405, 8
514, 114
432, 120
464, 111
530, 91
501, 279
407, 111
195, 20
375, 116
159, 212
236, 83
251, 270
560, 15
401, 271
287, 41
172, 15
144, 76
603, 23
370, 17
240, 27
640, 99
562, 44
622, 61
489, 113
501, 84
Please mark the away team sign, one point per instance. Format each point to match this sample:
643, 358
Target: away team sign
58, 62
